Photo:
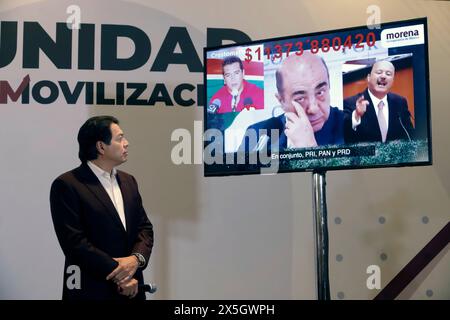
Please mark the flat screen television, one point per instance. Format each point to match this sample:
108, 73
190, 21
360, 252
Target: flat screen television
342, 99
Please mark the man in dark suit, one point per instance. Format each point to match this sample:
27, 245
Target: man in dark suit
303, 90
99, 218
376, 114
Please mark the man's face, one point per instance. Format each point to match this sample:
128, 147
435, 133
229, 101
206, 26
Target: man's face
233, 76
381, 78
117, 151
305, 80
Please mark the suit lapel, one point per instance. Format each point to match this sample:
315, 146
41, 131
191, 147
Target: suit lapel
392, 117
372, 120
93, 184
126, 196
281, 124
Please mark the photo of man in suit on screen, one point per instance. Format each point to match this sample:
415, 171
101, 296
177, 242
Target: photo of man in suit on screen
376, 114
309, 120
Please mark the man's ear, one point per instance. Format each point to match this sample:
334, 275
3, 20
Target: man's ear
100, 147
279, 98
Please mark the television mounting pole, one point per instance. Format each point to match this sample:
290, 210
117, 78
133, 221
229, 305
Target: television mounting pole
321, 234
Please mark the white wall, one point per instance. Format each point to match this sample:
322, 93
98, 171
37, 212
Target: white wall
247, 237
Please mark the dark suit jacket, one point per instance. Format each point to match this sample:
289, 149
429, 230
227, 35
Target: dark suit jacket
369, 130
332, 132
91, 234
